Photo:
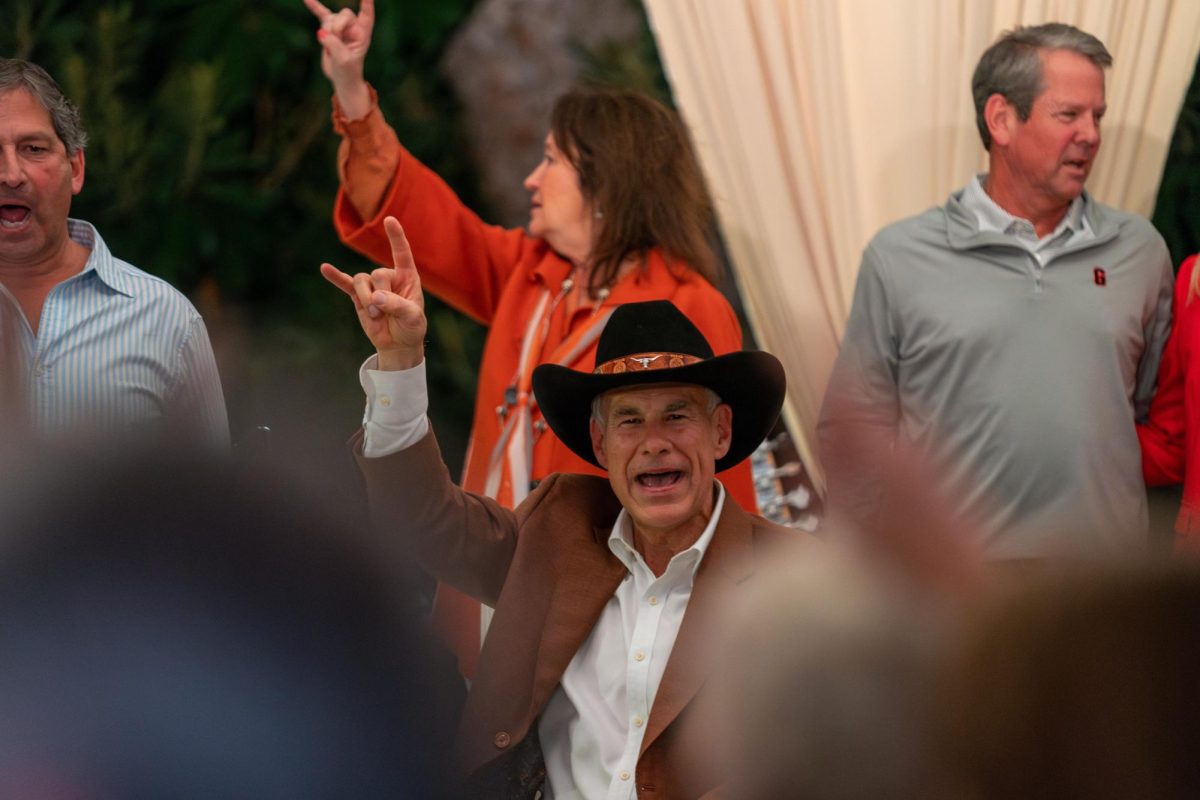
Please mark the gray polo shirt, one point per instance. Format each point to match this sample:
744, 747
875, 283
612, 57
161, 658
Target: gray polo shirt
1014, 367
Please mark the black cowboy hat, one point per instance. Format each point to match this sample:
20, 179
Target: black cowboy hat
654, 342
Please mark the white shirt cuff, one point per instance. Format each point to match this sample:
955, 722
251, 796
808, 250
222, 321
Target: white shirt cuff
397, 405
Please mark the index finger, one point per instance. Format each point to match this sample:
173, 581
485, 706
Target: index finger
402, 257
318, 10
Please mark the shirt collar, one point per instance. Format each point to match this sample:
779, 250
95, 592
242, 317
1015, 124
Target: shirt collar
993, 218
100, 259
620, 541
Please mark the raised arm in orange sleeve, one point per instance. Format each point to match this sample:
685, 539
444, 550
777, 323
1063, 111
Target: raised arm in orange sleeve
367, 157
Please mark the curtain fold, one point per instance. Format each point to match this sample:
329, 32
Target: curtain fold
819, 121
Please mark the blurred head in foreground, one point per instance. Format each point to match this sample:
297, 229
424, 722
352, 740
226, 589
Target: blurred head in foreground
828, 684
175, 627
1082, 686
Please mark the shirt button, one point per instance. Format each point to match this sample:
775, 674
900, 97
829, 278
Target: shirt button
653, 600
502, 740
639, 656
40, 371
624, 775
385, 401
637, 722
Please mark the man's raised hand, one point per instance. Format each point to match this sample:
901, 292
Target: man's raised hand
389, 302
345, 38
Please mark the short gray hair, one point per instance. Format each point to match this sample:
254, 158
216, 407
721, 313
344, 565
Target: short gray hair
1012, 66
16, 73
714, 400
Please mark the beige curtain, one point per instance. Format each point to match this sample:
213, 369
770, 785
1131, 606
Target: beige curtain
819, 121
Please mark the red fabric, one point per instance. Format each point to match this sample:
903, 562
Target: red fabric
1170, 438
497, 276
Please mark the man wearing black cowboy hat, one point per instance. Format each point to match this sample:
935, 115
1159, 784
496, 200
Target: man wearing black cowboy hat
604, 591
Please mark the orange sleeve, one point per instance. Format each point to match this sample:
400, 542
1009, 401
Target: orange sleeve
367, 157
463, 261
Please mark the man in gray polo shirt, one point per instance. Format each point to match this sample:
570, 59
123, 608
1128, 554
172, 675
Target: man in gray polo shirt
1011, 336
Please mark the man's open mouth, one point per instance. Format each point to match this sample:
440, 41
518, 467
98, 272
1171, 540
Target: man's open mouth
12, 215
659, 479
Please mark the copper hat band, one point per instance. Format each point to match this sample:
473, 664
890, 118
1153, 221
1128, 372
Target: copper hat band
645, 362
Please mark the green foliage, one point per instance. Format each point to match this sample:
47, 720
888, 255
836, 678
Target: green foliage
1177, 209
636, 67
212, 121
212, 164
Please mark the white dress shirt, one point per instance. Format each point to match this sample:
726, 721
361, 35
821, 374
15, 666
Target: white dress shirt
592, 728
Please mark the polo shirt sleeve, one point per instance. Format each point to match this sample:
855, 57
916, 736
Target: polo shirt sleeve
1155, 334
859, 415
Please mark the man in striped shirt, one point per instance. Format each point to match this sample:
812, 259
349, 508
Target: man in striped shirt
91, 346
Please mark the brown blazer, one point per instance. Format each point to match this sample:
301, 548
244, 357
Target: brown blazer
546, 569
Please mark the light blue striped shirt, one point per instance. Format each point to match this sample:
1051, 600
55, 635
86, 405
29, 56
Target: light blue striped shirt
117, 350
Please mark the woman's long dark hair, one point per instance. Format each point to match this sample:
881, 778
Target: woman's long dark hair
639, 171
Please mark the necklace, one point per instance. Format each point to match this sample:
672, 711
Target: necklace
510, 466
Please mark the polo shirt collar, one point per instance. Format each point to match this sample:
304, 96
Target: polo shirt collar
994, 219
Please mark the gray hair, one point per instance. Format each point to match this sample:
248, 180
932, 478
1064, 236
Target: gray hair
16, 73
713, 398
1012, 66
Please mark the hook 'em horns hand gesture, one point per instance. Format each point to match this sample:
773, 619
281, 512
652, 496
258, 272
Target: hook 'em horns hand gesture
389, 302
345, 38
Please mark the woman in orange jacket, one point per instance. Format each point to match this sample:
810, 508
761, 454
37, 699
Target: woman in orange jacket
618, 213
